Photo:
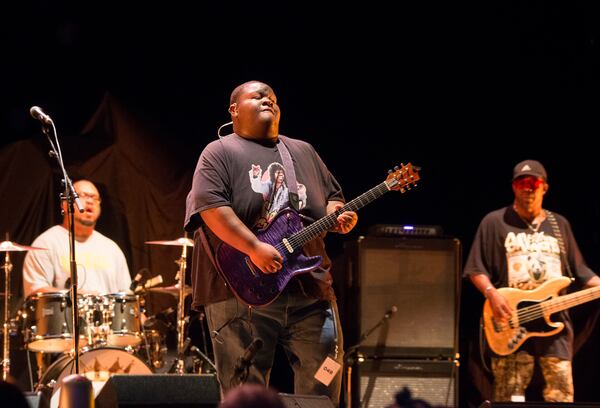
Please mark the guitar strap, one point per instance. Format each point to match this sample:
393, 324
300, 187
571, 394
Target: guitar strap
290, 174
561, 243
207, 248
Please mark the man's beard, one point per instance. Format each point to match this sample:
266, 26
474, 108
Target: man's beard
87, 223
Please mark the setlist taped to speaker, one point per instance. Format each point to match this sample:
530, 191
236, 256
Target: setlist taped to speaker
328, 370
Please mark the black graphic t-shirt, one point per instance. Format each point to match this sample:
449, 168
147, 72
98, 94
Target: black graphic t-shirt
512, 254
249, 177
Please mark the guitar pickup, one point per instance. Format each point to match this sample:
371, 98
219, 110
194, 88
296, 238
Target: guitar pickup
251, 266
497, 327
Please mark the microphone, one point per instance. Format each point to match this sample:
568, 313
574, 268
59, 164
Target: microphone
135, 282
390, 312
246, 359
204, 357
37, 113
158, 279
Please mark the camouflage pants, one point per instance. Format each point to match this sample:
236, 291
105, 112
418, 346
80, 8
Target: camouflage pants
513, 373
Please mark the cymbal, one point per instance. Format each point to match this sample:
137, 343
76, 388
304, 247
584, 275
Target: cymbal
177, 242
11, 246
171, 290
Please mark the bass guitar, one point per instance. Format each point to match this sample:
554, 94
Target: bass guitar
288, 235
531, 317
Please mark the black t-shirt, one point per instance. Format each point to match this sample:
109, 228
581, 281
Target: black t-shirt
249, 177
512, 254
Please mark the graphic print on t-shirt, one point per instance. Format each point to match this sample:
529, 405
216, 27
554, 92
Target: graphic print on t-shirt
532, 259
274, 189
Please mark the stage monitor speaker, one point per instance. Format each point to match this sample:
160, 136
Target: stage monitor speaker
488, 404
419, 278
378, 381
160, 390
305, 401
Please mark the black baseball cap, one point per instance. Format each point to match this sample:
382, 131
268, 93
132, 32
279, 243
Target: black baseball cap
530, 168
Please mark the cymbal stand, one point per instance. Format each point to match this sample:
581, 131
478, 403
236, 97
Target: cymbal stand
7, 266
180, 362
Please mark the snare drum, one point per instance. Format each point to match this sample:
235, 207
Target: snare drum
98, 365
48, 323
124, 327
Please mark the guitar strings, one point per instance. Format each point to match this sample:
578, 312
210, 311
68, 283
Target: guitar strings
533, 312
298, 239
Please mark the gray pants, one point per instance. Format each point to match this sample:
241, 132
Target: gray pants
308, 329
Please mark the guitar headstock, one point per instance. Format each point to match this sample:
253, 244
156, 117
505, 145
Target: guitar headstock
403, 178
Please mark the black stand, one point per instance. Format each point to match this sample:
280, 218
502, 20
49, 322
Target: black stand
353, 355
70, 196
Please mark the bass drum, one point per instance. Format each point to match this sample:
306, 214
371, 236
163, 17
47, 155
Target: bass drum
97, 364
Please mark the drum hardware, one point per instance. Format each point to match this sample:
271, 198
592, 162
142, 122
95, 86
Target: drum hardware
155, 347
182, 292
7, 247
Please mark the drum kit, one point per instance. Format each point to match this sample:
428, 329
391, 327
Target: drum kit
110, 328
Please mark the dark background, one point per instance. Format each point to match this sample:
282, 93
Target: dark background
464, 91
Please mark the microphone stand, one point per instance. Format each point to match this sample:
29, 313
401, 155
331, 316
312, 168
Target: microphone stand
70, 196
7, 266
353, 356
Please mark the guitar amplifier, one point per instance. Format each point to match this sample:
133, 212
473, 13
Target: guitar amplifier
377, 382
402, 230
405, 295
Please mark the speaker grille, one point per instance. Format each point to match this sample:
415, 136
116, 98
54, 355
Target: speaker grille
432, 381
419, 276
159, 390
305, 401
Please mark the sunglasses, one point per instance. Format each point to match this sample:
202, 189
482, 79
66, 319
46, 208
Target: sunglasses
528, 183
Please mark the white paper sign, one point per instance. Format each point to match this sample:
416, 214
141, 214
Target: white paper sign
328, 370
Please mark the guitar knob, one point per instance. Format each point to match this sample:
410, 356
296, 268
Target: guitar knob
396, 168
390, 171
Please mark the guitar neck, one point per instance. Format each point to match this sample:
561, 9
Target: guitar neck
300, 238
571, 300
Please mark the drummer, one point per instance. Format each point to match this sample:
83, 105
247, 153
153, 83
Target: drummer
101, 265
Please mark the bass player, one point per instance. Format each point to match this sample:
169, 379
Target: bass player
523, 246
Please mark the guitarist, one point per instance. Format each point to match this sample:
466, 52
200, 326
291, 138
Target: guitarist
239, 180
519, 246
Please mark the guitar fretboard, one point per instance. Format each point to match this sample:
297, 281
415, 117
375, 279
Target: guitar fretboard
300, 238
557, 304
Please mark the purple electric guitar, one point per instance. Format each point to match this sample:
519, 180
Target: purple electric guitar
287, 234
